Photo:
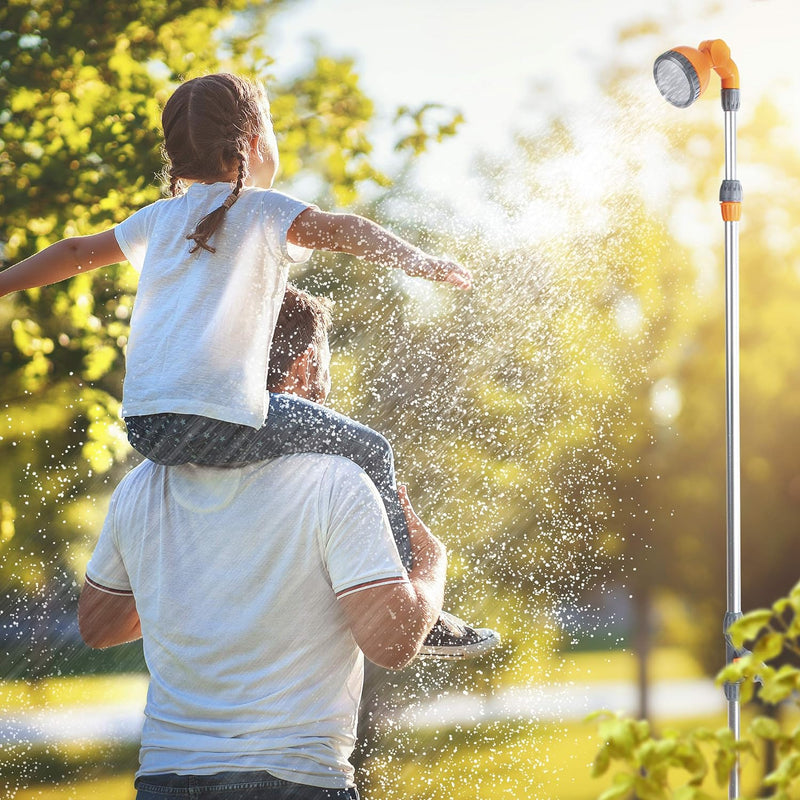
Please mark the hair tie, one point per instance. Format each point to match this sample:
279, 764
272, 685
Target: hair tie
230, 200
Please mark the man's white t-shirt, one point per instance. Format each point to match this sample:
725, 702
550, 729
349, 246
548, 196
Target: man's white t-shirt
202, 323
235, 574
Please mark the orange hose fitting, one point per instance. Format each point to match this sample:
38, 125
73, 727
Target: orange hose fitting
719, 54
731, 212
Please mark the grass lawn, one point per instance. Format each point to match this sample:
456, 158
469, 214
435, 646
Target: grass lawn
507, 761
499, 761
119, 787
517, 759
73, 691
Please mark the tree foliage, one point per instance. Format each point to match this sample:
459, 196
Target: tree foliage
566, 422
680, 765
81, 89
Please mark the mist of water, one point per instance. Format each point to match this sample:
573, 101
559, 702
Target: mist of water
514, 411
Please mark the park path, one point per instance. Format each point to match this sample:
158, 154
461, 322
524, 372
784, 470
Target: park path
122, 721
565, 701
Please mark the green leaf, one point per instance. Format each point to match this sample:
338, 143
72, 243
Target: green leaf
768, 646
766, 728
724, 762
647, 788
619, 736
601, 762
602, 713
780, 605
787, 770
621, 787
749, 626
778, 686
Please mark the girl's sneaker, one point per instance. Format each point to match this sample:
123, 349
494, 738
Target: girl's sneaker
451, 637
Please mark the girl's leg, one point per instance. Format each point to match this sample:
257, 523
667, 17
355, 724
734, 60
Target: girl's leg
294, 425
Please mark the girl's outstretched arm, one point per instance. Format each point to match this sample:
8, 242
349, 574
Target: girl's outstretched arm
349, 233
62, 260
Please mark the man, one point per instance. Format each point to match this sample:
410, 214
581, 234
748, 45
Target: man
256, 590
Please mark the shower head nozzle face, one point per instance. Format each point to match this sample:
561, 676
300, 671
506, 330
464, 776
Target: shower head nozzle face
676, 79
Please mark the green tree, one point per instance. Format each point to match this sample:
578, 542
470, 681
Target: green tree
81, 87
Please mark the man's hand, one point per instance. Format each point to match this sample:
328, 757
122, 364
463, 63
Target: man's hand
390, 623
428, 553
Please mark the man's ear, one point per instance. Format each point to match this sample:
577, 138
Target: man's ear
305, 363
302, 371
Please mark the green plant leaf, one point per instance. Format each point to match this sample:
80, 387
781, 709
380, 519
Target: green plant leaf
621, 787
601, 762
766, 728
768, 646
748, 627
619, 736
647, 788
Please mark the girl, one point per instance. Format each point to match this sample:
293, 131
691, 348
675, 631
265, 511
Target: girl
213, 262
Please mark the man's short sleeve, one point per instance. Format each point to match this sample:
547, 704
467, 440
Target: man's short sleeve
280, 211
106, 570
358, 545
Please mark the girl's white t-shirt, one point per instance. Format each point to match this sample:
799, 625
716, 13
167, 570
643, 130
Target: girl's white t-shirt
202, 323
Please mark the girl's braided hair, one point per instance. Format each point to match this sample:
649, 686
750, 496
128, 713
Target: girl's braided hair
209, 124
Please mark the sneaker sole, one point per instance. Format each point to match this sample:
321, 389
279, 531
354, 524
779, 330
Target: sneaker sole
490, 640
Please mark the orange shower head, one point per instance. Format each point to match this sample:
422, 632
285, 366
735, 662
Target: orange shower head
682, 74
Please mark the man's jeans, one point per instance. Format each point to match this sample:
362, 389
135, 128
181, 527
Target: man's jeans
232, 786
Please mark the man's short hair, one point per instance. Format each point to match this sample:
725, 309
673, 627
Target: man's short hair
303, 321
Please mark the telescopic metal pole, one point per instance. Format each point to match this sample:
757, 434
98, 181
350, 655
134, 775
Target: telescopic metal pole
730, 200
681, 75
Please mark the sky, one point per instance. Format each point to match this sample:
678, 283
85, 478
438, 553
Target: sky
484, 56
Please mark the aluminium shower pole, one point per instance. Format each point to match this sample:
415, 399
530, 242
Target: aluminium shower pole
730, 196
682, 75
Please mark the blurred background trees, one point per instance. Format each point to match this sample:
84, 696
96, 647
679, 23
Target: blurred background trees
81, 88
561, 426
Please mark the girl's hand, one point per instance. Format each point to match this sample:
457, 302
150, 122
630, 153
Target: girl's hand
439, 269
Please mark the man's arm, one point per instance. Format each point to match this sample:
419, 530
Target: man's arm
62, 260
107, 619
358, 236
390, 623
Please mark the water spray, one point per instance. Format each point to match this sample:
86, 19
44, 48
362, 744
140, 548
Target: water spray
682, 75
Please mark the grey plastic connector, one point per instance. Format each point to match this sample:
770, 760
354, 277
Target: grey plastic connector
731, 691
731, 100
730, 192
731, 652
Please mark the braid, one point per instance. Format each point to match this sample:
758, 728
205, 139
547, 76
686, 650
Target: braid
210, 222
209, 124
241, 174
174, 183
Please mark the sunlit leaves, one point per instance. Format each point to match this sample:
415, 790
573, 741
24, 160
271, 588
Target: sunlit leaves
429, 122
770, 633
630, 746
321, 121
672, 766
81, 88
7, 517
